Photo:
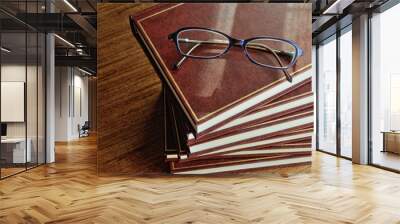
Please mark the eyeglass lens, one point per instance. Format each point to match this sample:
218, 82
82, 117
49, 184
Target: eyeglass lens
271, 52
202, 43
210, 44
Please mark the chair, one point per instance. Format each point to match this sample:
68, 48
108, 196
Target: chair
84, 130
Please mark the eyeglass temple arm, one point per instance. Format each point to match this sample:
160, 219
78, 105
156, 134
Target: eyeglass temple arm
264, 47
198, 43
179, 63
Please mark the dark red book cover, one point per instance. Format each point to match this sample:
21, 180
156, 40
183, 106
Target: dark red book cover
283, 153
272, 120
212, 91
171, 138
225, 163
293, 114
291, 97
299, 92
286, 136
184, 147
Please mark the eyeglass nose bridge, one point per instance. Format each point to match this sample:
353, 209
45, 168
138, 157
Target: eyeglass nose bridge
237, 42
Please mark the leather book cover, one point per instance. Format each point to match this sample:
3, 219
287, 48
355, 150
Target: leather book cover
289, 138
305, 142
297, 92
262, 122
285, 131
301, 134
239, 160
270, 150
171, 144
268, 128
228, 165
224, 159
300, 92
212, 91
182, 128
303, 89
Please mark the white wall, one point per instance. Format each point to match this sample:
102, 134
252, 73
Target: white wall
70, 83
81, 103
33, 126
62, 82
17, 73
13, 101
12, 73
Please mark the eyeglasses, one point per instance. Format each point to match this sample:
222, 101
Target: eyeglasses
203, 43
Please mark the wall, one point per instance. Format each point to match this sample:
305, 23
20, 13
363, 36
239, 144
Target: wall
62, 81
12, 73
360, 90
71, 102
33, 126
129, 106
16, 72
80, 110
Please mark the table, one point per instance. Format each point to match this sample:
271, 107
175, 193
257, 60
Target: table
391, 141
13, 150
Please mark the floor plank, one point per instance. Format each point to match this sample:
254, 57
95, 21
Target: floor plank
332, 190
386, 159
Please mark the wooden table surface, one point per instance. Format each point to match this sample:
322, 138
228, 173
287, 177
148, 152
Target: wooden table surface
129, 103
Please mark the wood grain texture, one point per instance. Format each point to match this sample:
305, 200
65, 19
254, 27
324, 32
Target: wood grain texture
332, 190
129, 101
92, 95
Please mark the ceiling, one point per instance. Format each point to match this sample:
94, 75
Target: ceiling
333, 15
74, 22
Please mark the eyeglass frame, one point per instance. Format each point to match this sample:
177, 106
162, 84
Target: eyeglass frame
238, 42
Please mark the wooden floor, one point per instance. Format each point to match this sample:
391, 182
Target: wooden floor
10, 171
386, 159
69, 191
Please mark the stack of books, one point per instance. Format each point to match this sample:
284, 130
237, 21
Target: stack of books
227, 114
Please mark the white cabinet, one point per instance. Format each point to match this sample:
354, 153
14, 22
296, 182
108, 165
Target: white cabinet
19, 155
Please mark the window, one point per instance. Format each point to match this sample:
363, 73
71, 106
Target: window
346, 92
327, 95
22, 77
385, 89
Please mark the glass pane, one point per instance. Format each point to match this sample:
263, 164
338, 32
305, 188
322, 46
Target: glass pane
31, 87
327, 96
31, 100
41, 98
385, 84
346, 94
314, 90
13, 89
